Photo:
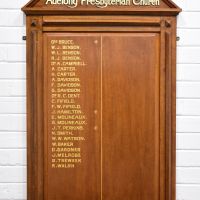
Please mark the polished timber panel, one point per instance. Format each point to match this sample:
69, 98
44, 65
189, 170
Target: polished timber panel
102, 104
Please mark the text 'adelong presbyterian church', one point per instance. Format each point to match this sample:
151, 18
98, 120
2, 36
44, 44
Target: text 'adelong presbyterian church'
103, 3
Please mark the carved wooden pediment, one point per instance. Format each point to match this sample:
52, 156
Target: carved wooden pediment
148, 7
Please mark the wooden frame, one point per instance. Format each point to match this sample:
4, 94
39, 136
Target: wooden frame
40, 19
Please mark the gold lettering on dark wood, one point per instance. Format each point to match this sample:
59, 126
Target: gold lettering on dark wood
103, 3
67, 118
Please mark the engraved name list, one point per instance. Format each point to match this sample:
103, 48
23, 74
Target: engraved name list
67, 118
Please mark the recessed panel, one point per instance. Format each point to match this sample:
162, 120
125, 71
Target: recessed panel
72, 101
131, 117
102, 138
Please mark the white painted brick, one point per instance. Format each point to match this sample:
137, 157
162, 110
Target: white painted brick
10, 140
12, 88
12, 4
14, 174
188, 107
12, 70
12, 122
188, 158
188, 141
188, 124
13, 191
13, 53
188, 192
9, 157
16, 53
181, 3
188, 175
11, 18
188, 5
2, 53
188, 55
12, 105
189, 20
188, 89
188, 72
188, 37
12, 35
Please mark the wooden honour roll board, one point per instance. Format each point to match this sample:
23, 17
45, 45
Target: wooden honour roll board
101, 101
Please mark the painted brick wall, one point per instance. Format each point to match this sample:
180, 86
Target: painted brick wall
13, 100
